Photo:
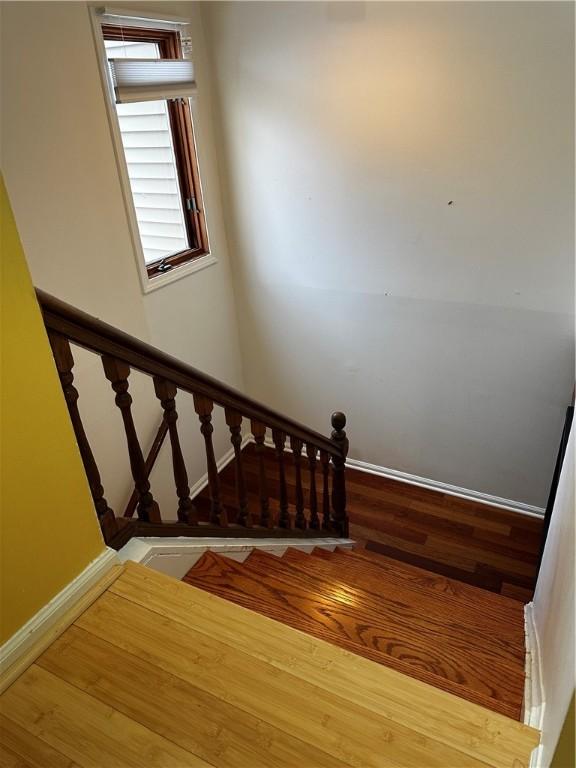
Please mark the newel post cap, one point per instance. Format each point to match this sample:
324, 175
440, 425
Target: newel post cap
338, 421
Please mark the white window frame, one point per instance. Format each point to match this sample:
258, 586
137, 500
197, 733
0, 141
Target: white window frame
141, 20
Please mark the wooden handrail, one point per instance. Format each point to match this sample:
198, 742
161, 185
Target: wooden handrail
94, 334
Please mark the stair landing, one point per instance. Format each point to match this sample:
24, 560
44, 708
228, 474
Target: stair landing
470, 541
455, 637
159, 674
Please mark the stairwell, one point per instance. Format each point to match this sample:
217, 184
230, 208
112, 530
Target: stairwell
328, 658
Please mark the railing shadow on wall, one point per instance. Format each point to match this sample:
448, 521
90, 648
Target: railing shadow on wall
120, 353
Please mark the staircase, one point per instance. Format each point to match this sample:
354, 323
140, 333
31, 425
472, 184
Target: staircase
455, 637
449, 657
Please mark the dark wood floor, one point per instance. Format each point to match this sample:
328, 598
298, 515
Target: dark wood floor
474, 543
458, 638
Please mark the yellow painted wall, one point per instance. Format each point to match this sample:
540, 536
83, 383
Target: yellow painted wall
48, 527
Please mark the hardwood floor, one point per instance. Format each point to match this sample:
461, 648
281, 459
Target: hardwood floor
159, 674
475, 543
465, 641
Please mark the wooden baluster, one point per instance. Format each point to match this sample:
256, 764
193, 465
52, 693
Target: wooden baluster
64, 364
149, 462
166, 393
203, 407
311, 454
117, 373
259, 432
325, 462
234, 421
279, 439
296, 445
338, 474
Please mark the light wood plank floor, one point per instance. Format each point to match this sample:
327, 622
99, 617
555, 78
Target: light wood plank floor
156, 673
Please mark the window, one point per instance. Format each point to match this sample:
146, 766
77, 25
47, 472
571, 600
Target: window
155, 123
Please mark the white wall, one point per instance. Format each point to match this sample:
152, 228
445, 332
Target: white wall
443, 331
63, 182
554, 602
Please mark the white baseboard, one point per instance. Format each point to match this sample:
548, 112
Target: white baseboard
451, 490
435, 485
534, 699
47, 617
175, 556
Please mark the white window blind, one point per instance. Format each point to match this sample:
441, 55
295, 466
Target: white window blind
123, 17
150, 80
151, 164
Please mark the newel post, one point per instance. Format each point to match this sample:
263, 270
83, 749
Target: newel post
339, 514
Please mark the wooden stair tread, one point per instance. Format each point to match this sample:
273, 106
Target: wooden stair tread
357, 573
444, 626
413, 524
419, 578
378, 593
459, 561
357, 630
